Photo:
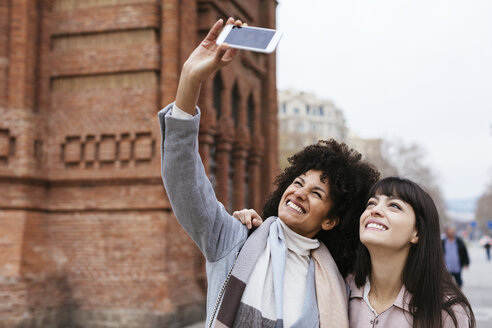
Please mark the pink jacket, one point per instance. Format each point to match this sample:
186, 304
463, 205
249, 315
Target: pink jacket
361, 314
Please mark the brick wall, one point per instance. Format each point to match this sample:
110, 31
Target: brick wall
87, 236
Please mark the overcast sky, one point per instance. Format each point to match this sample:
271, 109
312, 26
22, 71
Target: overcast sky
417, 70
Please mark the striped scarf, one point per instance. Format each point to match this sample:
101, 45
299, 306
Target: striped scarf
325, 303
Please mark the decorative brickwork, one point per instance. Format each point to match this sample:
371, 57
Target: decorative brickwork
87, 235
7, 146
108, 149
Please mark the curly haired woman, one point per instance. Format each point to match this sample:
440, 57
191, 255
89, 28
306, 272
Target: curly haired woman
287, 272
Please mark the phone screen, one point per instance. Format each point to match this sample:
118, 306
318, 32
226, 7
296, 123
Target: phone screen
249, 37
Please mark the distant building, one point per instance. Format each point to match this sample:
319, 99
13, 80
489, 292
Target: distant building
303, 119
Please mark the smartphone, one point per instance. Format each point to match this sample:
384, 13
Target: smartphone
250, 38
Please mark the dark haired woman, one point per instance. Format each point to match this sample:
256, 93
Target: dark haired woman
280, 275
400, 279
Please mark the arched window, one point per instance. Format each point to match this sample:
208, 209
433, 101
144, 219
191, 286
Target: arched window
218, 88
235, 104
251, 124
213, 166
251, 113
217, 94
230, 186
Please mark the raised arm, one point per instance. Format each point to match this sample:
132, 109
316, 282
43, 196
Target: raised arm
190, 192
207, 58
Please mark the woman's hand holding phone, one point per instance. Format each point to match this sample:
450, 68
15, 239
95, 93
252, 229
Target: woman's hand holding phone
206, 59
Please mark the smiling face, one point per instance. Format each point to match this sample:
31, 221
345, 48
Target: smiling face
388, 222
305, 205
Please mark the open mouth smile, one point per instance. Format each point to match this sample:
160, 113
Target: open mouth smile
296, 207
376, 226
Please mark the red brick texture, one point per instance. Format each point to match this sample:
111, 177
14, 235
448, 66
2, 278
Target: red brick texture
87, 235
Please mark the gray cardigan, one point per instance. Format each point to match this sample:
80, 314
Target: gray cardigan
218, 235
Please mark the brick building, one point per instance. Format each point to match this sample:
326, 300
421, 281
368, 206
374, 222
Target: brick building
87, 236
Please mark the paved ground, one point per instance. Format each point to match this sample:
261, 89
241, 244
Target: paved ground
477, 287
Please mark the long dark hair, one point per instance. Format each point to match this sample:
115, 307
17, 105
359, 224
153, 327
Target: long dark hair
424, 276
349, 179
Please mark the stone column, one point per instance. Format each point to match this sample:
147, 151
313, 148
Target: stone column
223, 154
256, 198
240, 156
270, 167
4, 24
170, 47
207, 123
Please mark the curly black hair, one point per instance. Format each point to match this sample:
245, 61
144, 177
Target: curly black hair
349, 178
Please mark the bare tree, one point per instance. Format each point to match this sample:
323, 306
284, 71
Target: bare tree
483, 213
409, 160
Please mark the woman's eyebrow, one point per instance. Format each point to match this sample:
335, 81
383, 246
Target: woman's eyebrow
315, 187
320, 189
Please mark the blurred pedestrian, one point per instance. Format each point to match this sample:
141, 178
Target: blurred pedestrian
455, 254
485, 241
